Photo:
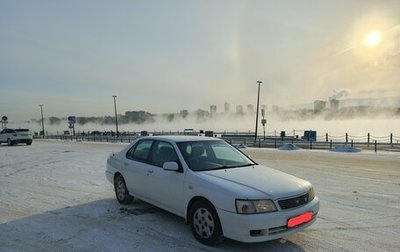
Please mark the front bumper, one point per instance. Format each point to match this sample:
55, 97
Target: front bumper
109, 176
264, 227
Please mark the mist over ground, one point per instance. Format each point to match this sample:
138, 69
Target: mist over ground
380, 125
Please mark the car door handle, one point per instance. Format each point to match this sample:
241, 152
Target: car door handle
150, 171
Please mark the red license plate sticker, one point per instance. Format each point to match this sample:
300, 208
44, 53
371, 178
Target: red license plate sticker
303, 218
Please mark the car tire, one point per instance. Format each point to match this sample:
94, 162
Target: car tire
121, 191
9, 142
28, 143
205, 224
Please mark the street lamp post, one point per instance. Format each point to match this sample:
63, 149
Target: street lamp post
41, 112
116, 119
258, 103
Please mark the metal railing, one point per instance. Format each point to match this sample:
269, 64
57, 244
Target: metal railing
327, 141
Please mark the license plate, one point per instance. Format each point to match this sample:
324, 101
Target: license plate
298, 220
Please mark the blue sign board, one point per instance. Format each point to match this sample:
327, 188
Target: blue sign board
71, 119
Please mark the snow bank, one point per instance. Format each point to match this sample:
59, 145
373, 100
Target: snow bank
345, 148
289, 147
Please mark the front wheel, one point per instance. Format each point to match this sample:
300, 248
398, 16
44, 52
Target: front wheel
121, 191
9, 142
205, 224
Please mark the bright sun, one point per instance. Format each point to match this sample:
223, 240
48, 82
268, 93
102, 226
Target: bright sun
373, 38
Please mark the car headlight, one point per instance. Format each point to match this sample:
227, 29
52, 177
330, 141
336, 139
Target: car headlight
254, 206
311, 194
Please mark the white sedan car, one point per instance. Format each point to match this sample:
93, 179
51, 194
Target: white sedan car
217, 189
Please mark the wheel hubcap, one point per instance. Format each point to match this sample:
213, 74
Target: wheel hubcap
203, 223
120, 188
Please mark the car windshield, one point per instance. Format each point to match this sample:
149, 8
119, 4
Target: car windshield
212, 155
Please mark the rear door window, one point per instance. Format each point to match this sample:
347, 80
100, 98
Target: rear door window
140, 152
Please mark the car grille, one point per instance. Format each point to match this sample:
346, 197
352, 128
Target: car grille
293, 202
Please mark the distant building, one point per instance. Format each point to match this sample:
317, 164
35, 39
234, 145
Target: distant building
239, 109
250, 109
213, 109
394, 46
319, 105
334, 103
263, 106
184, 113
276, 109
263, 109
227, 107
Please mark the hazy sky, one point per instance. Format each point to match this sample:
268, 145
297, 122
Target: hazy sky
163, 56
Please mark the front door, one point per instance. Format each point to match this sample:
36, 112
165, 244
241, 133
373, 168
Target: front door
167, 186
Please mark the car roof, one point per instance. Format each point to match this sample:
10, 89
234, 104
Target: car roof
179, 138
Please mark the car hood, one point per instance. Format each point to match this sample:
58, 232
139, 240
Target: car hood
274, 183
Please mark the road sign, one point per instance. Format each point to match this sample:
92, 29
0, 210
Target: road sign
264, 121
4, 118
71, 119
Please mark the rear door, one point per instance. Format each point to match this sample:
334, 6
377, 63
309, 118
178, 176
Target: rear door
136, 168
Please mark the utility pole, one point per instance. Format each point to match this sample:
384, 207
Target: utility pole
41, 112
116, 119
258, 103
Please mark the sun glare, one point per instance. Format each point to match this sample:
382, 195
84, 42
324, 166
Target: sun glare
373, 38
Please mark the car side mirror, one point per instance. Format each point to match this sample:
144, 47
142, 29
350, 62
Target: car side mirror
170, 166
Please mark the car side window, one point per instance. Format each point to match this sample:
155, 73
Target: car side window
129, 153
163, 152
140, 152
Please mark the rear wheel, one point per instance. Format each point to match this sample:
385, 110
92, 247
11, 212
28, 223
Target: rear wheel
205, 223
121, 192
28, 143
9, 142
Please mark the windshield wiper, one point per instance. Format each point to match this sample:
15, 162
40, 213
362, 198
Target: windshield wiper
242, 165
232, 166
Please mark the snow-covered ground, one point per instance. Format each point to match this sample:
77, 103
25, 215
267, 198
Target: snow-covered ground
54, 197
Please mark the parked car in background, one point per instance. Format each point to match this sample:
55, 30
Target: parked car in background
15, 136
217, 189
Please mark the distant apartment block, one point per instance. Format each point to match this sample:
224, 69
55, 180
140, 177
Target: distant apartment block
319, 105
334, 103
276, 109
213, 109
239, 109
184, 113
227, 107
250, 109
263, 107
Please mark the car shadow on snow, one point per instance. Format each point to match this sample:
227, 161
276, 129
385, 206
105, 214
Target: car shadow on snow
11, 146
105, 225
5, 145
